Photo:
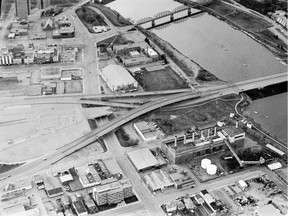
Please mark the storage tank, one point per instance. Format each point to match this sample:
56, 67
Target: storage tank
211, 169
205, 162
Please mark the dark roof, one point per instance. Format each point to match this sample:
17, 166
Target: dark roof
55, 191
79, 207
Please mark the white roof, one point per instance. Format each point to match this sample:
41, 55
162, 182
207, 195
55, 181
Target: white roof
143, 158
268, 210
275, 166
242, 183
117, 76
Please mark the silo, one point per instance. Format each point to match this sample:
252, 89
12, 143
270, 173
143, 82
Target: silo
211, 169
205, 162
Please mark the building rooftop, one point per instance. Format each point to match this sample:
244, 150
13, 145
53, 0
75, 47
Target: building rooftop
233, 131
143, 158
79, 206
116, 75
267, 210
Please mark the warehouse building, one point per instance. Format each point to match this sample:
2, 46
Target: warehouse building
6, 57
142, 159
118, 78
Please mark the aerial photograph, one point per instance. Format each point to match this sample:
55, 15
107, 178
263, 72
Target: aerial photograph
143, 108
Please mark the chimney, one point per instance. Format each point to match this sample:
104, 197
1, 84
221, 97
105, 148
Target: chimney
215, 131
208, 133
193, 136
175, 141
185, 138
202, 136
236, 124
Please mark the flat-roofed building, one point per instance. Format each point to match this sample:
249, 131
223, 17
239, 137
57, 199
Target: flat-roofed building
92, 208
267, 210
80, 208
112, 193
157, 180
181, 181
143, 159
65, 176
39, 182
234, 134
53, 187
118, 78
145, 131
86, 178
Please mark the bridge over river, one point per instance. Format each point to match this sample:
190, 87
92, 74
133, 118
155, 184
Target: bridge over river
170, 14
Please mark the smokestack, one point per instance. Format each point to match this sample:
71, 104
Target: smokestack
185, 138
202, 136
236, 124
215, 131
208, 133
175, 141
193, 136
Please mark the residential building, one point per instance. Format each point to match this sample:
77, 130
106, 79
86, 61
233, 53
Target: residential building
22, 8
112, 193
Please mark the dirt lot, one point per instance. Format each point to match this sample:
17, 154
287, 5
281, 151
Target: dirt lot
73, 86
174, 121
160, 80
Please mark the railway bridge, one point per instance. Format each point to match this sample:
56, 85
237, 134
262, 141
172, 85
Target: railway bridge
170, 14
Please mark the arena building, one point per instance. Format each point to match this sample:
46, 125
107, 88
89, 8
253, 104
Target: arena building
118, 78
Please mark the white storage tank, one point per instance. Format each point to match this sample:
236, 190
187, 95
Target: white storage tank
205, 163
211, 169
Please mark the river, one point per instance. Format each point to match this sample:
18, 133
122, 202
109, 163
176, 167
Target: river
227, 53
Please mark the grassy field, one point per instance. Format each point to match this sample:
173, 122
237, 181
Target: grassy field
175, 121
89, 17
160, 80
5, 168
244, 20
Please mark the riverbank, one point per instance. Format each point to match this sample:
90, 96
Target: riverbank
254, 27
193, 70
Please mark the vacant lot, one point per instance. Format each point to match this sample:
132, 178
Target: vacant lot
163, 79
73, 86
175, 121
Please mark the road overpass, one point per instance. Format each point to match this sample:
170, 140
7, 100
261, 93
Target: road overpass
90, 137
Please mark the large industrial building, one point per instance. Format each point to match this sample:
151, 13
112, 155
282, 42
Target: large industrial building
198, 143
118, 78
22, 8
41, 4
